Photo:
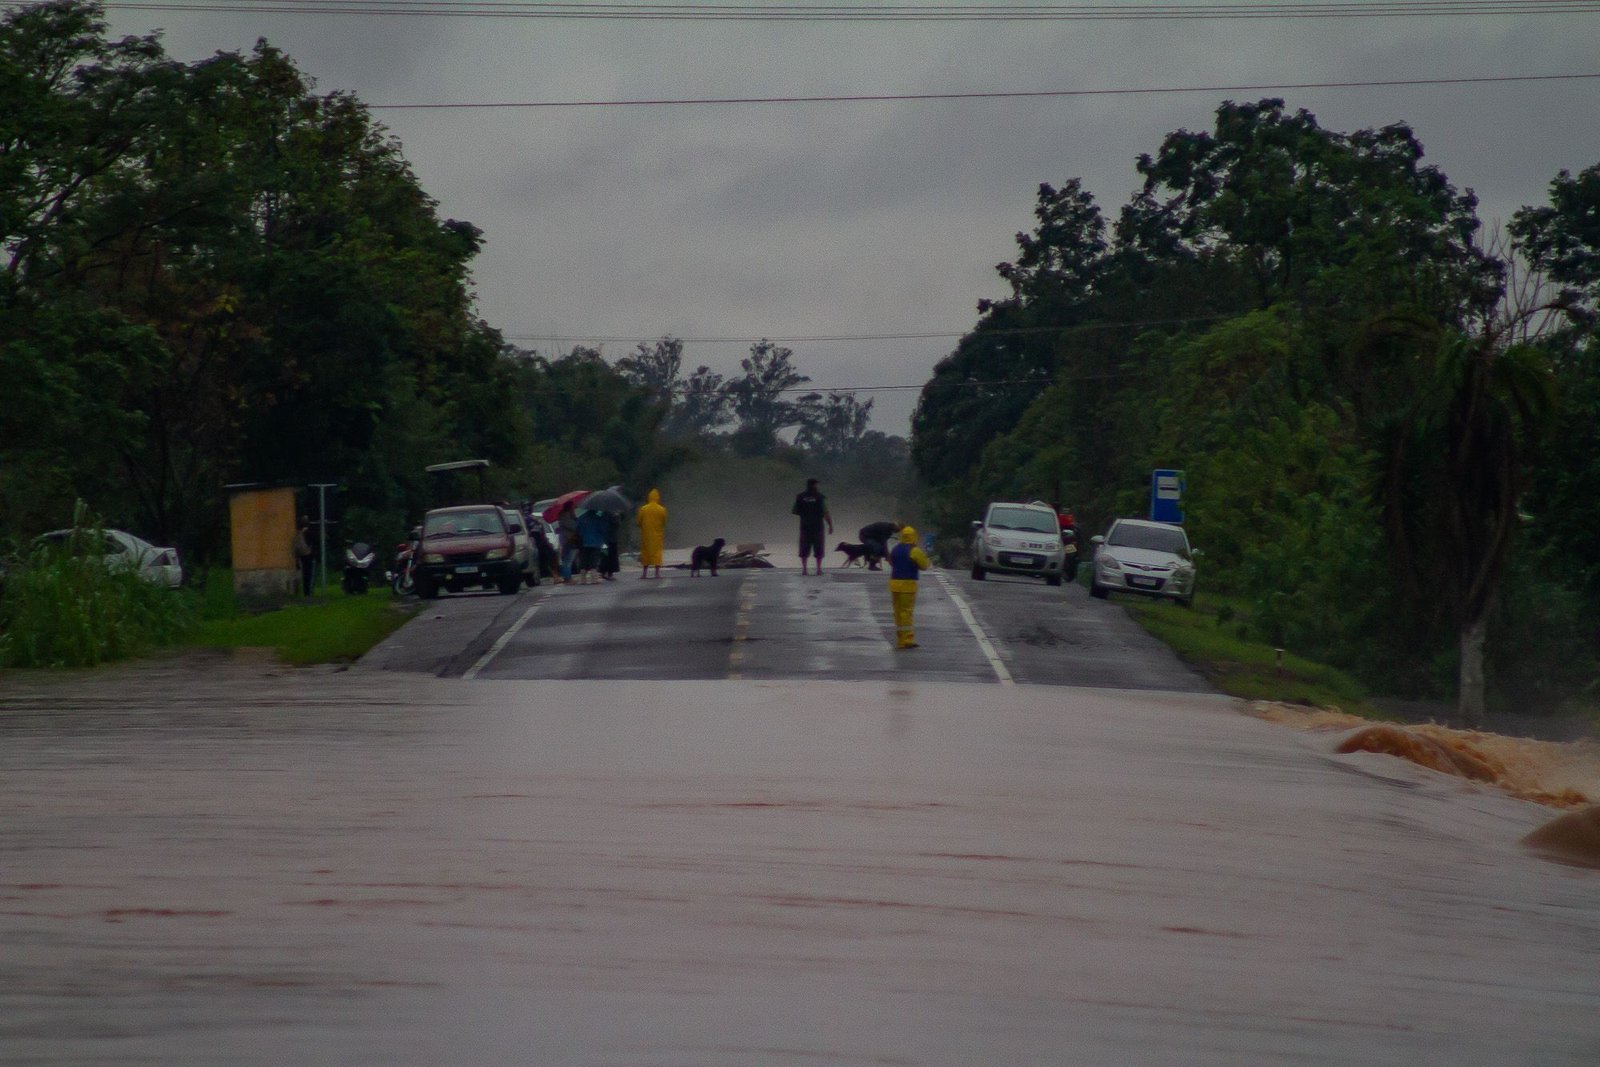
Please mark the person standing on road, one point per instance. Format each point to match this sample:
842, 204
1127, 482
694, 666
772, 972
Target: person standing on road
812, 507
567, 534
610, 559
906, 560
304, 555
876, 537
591, 543
652, 533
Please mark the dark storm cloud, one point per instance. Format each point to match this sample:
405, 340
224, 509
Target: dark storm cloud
815, 219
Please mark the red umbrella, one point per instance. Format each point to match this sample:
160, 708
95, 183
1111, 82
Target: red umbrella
549, 514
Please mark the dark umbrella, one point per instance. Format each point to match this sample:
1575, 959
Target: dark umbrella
610, 500
550, 513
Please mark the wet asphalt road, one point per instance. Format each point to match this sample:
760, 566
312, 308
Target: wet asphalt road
777, 843
776, 623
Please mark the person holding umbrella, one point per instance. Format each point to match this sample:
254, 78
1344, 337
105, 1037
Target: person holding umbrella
652, 521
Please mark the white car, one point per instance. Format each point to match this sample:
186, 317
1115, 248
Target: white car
1149, 558
157, 565
1018, 539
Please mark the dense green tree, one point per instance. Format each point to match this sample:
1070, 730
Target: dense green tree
758, 399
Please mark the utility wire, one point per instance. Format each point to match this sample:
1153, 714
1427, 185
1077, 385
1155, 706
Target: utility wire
921, 13
1082, 327
1005, 95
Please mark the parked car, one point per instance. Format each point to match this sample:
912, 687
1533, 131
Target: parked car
1016, 538
1144, 557
467, 546
153, 563
522, 544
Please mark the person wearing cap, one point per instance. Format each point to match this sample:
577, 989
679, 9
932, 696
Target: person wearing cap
906, 561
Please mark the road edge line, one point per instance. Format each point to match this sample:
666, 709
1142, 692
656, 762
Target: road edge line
985, 645
500, 643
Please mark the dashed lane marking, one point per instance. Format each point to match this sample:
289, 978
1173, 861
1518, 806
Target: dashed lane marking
741, 627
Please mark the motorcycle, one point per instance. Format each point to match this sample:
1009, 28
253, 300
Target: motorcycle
358, 559
403, 576
1069, 553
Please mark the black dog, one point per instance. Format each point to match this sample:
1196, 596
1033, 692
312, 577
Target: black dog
854, 555
706, 556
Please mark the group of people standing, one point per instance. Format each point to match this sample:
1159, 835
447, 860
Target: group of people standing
905, 558
591, 541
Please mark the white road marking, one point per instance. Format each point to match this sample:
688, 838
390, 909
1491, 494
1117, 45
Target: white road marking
971, 620
496, 648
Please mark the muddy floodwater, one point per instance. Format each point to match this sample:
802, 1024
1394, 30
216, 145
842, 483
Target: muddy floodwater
225, 862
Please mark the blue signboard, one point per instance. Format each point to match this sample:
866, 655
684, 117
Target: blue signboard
1166, 496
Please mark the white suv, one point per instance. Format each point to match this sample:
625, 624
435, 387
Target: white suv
1139, 556
1018, 539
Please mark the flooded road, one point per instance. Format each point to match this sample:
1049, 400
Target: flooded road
231, 863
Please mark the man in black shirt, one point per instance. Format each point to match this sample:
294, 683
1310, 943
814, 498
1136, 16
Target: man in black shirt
812, 507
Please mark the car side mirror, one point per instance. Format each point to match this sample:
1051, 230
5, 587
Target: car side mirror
1195, 552
1097, 539
976, 525
515, 528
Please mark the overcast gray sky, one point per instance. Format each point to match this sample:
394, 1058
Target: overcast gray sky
849, 219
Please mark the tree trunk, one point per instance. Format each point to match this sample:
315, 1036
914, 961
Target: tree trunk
1469, 700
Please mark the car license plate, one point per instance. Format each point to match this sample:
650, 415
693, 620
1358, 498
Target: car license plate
1144, 583
1015, 559
467, 570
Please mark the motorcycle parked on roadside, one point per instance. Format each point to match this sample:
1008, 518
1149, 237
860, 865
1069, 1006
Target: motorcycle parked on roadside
358, 559
403, 575
1070, 553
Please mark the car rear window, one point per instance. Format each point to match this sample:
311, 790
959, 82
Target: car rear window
1152, 538
464, 523
1004, 518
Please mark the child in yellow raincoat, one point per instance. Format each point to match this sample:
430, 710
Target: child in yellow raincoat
905, 561
652, 533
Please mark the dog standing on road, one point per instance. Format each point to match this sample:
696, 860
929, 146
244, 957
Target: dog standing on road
706, 556
854, 555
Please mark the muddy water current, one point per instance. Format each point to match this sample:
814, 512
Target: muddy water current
221, 861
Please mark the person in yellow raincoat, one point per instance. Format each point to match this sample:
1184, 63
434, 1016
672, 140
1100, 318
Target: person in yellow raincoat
905, 561
652, 533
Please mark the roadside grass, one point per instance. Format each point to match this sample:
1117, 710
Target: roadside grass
331, 628
1207, 636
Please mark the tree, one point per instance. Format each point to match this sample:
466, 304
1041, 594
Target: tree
655, 368
701, 406
757, 398
832, 427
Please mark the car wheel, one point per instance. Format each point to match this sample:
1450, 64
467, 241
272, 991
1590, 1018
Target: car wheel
1052, 579
1186, 601
510, 585
1098, 591
977, 573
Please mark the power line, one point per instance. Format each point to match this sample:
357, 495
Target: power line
883, 13
1004, 95
1081, 327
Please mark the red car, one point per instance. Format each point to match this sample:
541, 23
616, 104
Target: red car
467, 547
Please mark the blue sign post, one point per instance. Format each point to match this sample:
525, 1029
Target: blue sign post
1166, 496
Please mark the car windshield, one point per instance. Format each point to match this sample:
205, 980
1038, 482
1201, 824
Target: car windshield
1042, 522
463, 524
1154, 538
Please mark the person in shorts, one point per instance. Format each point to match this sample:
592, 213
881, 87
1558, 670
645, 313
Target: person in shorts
812, 508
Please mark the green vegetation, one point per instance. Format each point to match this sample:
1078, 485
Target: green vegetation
339, 629
1214, 639
62, 609
1389, 426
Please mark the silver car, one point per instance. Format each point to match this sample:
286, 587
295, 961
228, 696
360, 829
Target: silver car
1149, 558
122, 550
1018, 539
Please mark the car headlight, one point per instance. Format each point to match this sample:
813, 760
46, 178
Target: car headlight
992, 540
495, 553
1108, 562
432, 557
